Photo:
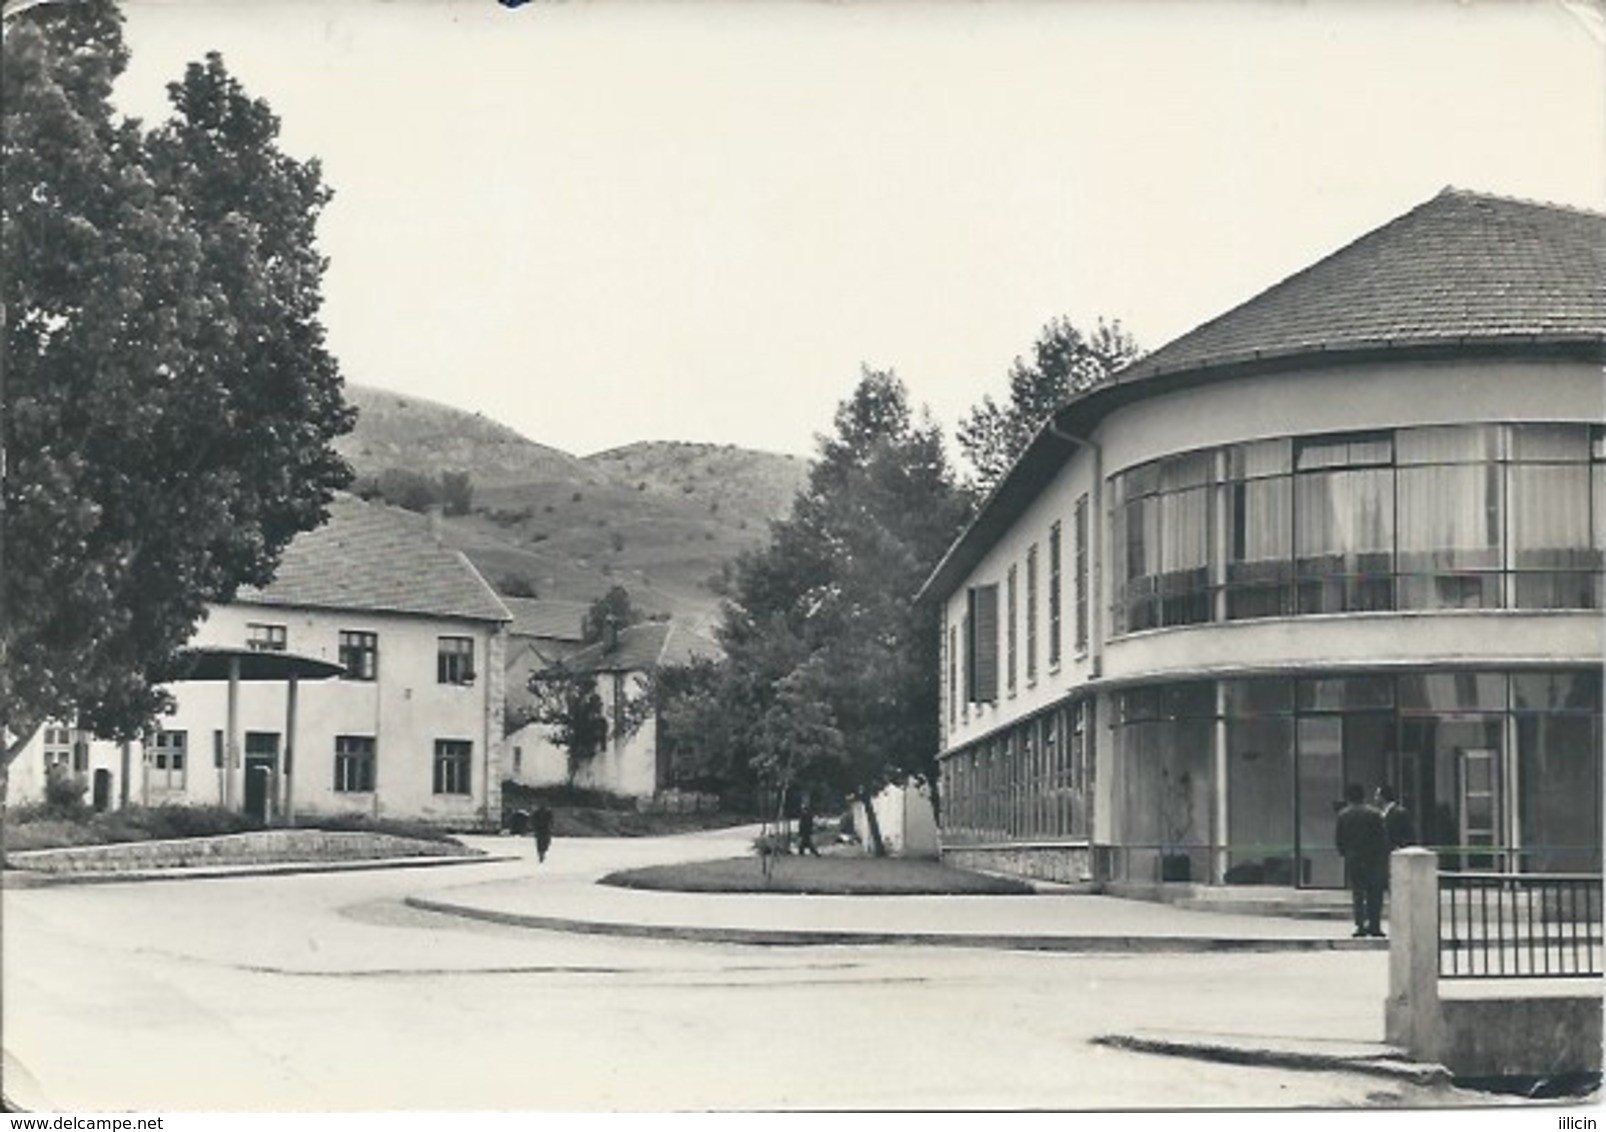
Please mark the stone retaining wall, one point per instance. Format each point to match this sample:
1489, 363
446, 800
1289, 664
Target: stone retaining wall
270, 846
1066, 864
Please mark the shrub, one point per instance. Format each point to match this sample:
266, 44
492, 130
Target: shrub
363, 823
64, 795
161, 823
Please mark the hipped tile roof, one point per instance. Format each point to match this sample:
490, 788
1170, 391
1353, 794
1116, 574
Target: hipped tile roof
378, 559
1462, 266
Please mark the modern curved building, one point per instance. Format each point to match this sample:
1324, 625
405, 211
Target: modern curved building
1350, 531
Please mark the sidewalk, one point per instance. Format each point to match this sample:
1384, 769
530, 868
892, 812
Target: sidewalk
575, 902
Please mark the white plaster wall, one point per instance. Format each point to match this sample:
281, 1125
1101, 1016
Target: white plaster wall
1057, 503
1342, 399
905, 818
26, 781
628, 767
405, 709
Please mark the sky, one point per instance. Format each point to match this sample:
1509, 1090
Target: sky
607, 221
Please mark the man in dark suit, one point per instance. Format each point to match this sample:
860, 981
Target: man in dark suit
1397, 821
1363, 843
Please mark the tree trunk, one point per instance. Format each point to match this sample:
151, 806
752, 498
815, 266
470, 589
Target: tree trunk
878, 847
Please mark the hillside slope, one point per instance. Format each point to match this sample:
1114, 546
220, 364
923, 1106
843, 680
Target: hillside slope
661, 518
396, 431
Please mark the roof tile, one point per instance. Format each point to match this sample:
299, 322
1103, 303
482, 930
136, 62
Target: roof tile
1462, 266
379, 559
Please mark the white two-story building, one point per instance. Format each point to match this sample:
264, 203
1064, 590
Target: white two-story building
411, 727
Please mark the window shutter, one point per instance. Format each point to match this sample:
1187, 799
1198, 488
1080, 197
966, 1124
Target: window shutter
983, 622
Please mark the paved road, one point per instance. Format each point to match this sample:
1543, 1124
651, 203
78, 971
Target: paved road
325, 992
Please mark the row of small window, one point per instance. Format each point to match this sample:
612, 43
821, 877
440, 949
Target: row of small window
355, 758
1030, 781
1455, 517
982, 621
359, 653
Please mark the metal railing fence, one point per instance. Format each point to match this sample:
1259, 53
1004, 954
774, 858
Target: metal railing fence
1501, 925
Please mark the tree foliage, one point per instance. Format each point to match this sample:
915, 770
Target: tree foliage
831, 672
613, 608
568, 702
452, 492
169, 402
1064, 361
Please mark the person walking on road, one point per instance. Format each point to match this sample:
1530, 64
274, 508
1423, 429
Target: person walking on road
1363, 843
541, 823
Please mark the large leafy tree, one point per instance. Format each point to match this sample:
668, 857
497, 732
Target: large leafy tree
1064, 361
824, 615
168, 399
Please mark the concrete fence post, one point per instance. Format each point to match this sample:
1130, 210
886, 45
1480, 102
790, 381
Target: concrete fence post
1411, 1013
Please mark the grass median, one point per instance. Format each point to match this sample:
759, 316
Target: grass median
830, 875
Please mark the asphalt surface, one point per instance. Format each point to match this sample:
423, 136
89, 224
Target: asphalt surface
553, 992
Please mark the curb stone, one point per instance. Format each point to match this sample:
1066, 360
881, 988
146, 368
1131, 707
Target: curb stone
784, 937
1385, 1061
26, 878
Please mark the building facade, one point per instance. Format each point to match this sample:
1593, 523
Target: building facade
633, 762
410, 729
1350, 531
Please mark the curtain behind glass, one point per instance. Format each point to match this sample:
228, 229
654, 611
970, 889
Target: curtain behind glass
1344, 538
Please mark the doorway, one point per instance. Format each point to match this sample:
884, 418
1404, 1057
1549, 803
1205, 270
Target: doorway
261, 774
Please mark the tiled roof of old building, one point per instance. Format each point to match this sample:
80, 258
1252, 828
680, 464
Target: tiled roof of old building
378, 559
645, 647
1460, 267
546, 618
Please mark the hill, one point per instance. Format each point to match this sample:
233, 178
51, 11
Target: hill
725, 477
395, 431
661, 518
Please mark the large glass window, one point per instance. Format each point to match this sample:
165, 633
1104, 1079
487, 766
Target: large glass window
1164, 746
1448, 486
1344, 524
1260, 781
1162, 543
1260, 530
1441, 517
1558, 736
1554, 560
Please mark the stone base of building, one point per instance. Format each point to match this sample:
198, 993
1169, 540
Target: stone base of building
1065, 864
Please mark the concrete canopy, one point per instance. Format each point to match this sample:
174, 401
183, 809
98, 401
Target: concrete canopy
214, 663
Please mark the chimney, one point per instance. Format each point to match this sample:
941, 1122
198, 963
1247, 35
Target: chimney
610, 634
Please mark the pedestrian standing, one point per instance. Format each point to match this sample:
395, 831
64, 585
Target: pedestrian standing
1363, 843
805, 830
541, 822
1397, 821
